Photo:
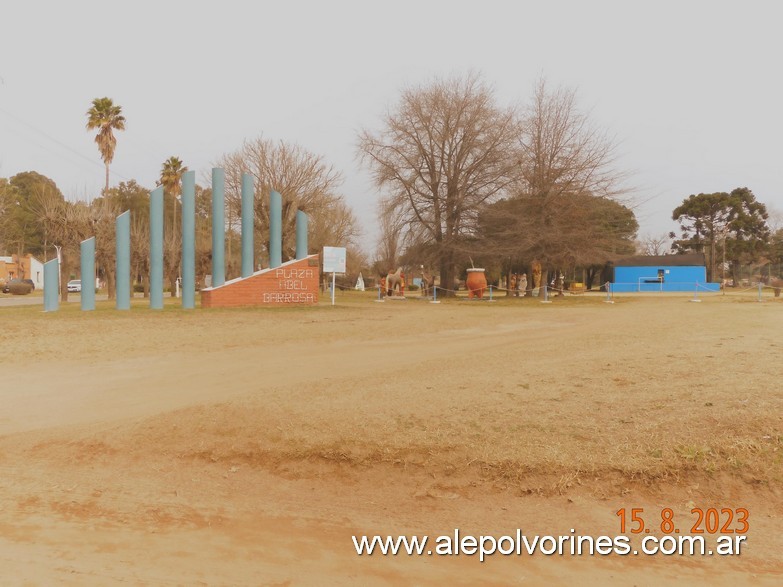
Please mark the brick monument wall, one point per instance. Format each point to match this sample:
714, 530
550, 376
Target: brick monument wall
293, 283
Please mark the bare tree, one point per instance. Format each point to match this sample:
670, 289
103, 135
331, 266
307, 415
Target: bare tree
172, 257
65, 225
566, 185
333, 226
101, 218
140, 241
306, 183
563, 155
775, 220
203, 234
6, 206
443, 152
135, 198
390, 240
653, 245
561, 152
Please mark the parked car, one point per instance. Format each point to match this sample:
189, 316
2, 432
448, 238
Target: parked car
75, 285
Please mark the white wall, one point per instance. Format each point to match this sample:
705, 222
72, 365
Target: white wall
36, 272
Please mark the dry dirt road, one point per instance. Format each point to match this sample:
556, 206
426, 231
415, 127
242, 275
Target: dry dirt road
247, 447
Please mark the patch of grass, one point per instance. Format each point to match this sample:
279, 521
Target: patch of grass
542, 398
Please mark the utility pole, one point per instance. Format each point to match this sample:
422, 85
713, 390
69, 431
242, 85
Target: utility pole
59, 250
724, 234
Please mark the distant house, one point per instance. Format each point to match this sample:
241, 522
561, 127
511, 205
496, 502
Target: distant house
27, 267
654, 273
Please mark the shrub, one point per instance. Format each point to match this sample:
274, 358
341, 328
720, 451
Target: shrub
20, 289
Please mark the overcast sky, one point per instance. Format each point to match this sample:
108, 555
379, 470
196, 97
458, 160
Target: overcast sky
691, 90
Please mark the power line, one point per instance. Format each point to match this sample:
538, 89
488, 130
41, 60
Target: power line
61, 144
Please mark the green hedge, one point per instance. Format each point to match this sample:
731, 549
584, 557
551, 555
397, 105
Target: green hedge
20, 289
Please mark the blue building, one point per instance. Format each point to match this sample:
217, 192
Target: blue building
662, 273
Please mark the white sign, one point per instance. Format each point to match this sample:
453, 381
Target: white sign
334, 259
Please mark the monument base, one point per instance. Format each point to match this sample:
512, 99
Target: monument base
294, 283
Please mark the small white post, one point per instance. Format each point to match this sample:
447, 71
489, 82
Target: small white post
333, 274
434, 293
696, 293
59, 250
608, 286
546, 299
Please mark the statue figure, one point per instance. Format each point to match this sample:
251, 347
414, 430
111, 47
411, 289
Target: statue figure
535, 268
427, 282
394, 282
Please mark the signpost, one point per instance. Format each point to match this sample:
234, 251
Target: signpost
334, 262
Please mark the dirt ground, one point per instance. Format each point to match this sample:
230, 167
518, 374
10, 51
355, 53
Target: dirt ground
246, 447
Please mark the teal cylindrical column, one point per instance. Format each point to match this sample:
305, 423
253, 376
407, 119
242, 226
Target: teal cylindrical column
275, 229
122, 263
51, 286
189, 240
218, 227
248, 214
301, 235
156, 249
87, 250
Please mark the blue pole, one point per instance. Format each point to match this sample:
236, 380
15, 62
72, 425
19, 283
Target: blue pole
156, 249
51, 286
301, 235
122, 264
490, 292
87, 250
247, 224
189, 240
275, 229
218, 227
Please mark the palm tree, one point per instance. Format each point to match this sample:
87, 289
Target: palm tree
171, 180
106, 117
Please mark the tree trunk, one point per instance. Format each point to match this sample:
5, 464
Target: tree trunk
106, 189
111, 285
607, 276
590, 277
446, 277
173, 283
64, 275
